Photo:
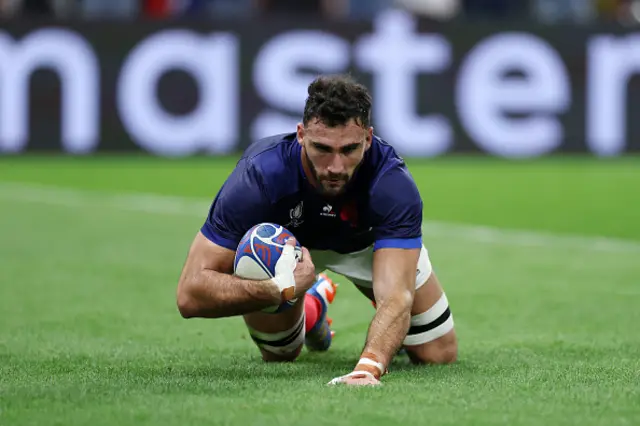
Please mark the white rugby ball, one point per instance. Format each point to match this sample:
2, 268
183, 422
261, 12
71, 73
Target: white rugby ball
259, 251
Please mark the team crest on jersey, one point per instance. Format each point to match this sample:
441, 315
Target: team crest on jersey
295, 214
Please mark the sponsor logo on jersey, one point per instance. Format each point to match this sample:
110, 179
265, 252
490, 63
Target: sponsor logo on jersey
327, 211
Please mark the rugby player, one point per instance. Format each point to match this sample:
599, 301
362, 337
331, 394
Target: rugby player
350, 201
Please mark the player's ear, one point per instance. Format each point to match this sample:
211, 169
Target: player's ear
300, 132
369, 138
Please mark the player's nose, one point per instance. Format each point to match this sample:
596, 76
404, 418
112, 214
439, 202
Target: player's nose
336, 166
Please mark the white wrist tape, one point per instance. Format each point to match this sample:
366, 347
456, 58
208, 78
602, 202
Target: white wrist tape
286, 284
369, 361
284, 278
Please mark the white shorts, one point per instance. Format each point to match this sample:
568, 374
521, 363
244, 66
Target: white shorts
358, 266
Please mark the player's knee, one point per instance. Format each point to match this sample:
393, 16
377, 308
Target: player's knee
441, 351
448, 353
280, 346
431, 339
280, 357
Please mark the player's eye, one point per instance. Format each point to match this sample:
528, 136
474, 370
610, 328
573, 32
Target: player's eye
350, 148
322, 148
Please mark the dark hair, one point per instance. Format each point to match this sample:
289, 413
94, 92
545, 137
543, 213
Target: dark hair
334, 100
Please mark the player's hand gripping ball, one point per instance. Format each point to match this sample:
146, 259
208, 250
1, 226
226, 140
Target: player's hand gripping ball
258, 254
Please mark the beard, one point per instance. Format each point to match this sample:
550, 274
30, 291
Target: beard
329, 184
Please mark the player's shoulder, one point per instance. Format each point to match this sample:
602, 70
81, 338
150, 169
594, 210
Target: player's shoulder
390, 181
275, 160
386, 165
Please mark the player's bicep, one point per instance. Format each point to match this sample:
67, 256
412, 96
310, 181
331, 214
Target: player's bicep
204, 255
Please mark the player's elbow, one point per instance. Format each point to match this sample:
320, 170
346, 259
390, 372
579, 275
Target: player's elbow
406, 301
186, 307
187, 303
400, 302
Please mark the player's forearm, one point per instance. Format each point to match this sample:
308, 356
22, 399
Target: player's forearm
389, 327
211, 294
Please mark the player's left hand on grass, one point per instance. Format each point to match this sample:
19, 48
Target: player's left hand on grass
356, 378
366, 373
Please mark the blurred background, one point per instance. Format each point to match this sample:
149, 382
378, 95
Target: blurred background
182, 77
545, 11
121, 119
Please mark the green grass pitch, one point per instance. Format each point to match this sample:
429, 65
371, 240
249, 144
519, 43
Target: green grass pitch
540, 261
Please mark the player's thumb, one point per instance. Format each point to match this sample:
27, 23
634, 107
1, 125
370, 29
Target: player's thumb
284, 268
289, 247
305, 256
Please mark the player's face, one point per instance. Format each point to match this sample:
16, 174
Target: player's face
333, 153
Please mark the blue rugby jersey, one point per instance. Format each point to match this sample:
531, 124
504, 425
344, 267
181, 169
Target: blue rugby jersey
382, 205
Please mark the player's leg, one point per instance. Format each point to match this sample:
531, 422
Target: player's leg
318, 324
431, 338
280, 336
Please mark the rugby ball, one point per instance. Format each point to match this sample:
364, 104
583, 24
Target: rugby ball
257, 254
